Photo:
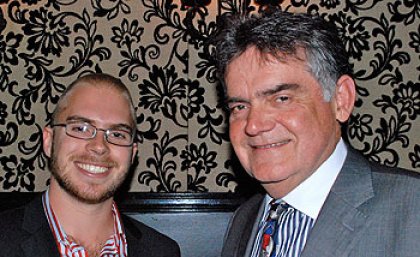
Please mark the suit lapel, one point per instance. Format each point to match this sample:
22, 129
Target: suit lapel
240, 228
248, 226
133, 236
39, 244
340, 222
40, 241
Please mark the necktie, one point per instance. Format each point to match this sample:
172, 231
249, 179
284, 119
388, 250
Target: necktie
285, 231
269, 237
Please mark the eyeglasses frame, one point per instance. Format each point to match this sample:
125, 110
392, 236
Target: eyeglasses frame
106, 133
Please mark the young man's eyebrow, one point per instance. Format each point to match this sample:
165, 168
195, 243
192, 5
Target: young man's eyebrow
76, 118
123, 126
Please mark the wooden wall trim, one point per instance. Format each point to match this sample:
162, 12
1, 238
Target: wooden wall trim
151, 202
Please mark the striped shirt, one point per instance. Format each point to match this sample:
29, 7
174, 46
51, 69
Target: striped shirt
307, 198
292, 232
115, 246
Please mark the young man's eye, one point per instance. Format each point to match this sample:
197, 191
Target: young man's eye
79, 128
119, 134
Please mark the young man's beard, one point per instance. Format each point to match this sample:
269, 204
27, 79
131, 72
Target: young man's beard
71, 188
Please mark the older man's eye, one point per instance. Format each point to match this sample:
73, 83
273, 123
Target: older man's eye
237, 108
282, 98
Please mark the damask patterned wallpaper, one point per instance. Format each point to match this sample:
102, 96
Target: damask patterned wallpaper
157, 47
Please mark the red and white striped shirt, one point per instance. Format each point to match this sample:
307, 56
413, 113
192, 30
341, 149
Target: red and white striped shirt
115, 246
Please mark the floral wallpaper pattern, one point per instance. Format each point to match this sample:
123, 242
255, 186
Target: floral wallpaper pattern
158, 48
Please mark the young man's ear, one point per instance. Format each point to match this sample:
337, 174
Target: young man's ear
345, 96
134, 154
47, 139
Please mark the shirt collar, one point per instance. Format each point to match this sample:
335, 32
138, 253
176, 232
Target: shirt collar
61, 237
310, 195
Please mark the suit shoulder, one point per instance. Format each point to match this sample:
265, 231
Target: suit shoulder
397, 185
144, 229
11, 233
150, 237
382, 175
398, 176
12, 218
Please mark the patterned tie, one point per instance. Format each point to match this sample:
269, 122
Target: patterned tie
285, 231
269, 237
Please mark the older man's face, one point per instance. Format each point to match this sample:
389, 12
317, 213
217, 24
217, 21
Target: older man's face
281, 127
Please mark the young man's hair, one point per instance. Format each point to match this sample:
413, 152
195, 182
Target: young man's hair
99, 80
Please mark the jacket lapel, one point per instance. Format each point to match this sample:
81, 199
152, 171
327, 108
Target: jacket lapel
40, 241
133, 236
248, 226
341, 222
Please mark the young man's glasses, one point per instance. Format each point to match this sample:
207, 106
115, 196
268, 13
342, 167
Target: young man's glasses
83, 130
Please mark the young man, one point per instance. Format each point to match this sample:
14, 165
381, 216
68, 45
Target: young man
289, 87
91, 145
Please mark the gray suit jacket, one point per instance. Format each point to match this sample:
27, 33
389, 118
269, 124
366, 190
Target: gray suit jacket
25, 232
371, 211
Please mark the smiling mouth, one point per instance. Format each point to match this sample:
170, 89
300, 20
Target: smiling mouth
273, 145
93, 168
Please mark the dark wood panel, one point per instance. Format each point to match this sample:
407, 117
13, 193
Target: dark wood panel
151, 202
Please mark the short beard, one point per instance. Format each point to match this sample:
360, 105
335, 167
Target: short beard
65, 183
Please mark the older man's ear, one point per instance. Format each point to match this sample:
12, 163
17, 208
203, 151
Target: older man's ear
344, 97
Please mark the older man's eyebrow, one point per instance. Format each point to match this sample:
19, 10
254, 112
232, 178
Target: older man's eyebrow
278, 88
266, 92
236, 100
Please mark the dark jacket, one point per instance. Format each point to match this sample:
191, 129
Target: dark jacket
25, 232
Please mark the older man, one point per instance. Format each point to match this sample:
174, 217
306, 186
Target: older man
91, 145
289, 88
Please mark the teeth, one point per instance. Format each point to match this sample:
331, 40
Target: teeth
93, 169
271, 145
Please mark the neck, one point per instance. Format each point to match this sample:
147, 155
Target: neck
281, 188
88, 224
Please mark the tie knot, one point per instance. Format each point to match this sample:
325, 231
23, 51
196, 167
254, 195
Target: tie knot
284, 231
274, 204
277, 207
